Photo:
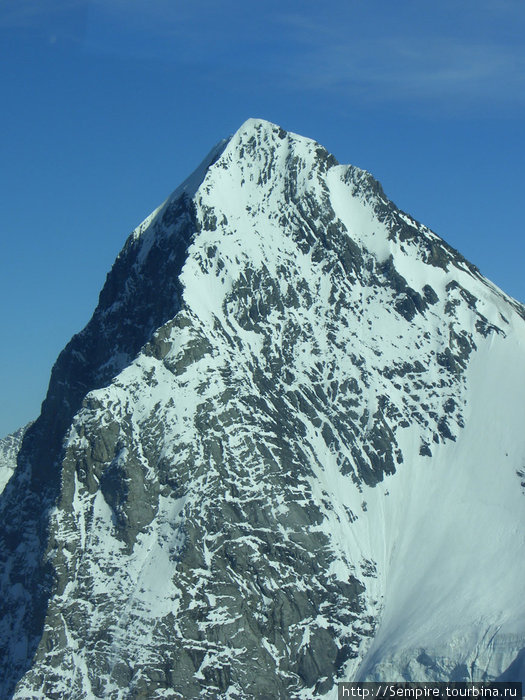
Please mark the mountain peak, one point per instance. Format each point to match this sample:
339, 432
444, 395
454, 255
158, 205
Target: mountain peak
255, 124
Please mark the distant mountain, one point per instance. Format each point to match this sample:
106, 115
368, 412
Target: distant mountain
9, 447
288, 449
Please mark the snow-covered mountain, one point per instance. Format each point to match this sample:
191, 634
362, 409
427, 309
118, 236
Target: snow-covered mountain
288, 449
9, 447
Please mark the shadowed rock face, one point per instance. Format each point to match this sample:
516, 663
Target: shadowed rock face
129, 310
195, 512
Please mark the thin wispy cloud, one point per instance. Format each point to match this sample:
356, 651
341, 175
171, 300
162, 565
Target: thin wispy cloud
23, 14
459, 59
455, 59
53, 21
454, 70
434, 69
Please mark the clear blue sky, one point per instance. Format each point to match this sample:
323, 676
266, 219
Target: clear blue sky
108, 104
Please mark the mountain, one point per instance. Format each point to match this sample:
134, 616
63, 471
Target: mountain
287, 449
9, 447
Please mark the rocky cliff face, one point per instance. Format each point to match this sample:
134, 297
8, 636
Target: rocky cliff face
287, 449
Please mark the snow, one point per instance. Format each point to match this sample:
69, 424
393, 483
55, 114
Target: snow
446, 538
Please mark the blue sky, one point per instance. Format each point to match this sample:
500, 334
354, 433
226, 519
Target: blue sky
108, 104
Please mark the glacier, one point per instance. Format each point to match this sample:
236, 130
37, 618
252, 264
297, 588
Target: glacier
287, 450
